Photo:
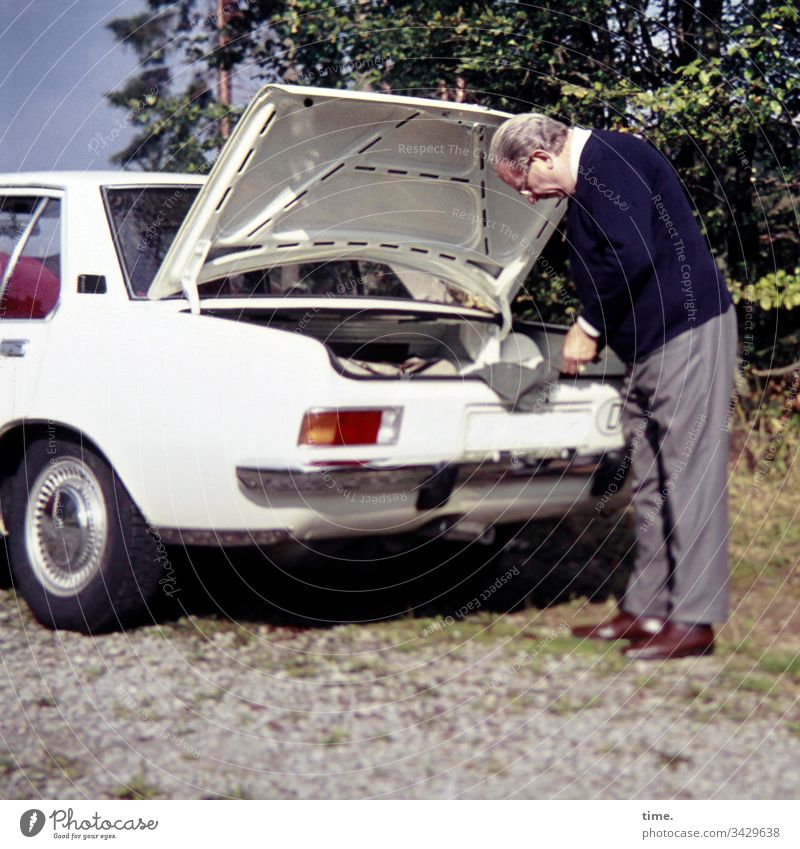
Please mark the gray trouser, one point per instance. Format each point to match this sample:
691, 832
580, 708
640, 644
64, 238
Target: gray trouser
677, 402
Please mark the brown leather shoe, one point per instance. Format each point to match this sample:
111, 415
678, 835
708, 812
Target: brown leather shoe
673, 640
624, 626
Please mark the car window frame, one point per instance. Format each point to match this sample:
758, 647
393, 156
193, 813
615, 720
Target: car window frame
50, 193
112, 187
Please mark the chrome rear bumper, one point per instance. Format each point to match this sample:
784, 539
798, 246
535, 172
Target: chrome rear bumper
373, 479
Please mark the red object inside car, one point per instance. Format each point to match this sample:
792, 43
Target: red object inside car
32, 291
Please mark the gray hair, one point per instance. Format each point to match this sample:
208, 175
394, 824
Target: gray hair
515, 140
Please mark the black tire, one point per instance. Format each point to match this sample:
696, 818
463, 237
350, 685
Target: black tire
81, 553
5, 569
5, 498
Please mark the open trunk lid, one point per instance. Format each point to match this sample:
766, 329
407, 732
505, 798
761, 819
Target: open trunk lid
310, 174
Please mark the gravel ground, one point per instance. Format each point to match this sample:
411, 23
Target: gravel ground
240, 702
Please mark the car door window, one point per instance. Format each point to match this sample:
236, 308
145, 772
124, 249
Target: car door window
30, 256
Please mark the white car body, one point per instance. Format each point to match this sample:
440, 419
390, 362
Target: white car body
199, 416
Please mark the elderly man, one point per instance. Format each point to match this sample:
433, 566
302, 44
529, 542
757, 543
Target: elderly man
650, 290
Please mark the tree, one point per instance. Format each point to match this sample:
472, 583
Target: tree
179, 100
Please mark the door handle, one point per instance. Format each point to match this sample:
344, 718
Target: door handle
13, 347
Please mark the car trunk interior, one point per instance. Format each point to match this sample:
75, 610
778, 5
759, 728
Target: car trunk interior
402, 343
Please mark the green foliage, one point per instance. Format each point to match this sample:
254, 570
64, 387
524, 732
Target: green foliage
178, 125
776, 290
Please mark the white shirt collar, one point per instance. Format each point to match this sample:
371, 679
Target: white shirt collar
579, 139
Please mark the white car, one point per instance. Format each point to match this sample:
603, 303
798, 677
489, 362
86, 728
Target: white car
315, 342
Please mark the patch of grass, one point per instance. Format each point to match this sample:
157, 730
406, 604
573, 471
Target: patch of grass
609, 660
478, 627
612, 663
564, 705
137, 788
725, 647
301, 668
564, 645
765, 518
755, 684
409, 645
525, 664
487, 628
780, 663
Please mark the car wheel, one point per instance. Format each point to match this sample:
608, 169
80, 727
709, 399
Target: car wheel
81, 553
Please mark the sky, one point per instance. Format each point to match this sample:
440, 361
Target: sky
57, 60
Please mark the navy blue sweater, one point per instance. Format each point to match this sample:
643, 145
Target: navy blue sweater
642, 267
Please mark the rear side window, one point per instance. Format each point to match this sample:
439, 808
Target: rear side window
144, 223
30, 256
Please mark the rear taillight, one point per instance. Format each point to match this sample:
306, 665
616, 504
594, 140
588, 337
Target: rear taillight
351, 427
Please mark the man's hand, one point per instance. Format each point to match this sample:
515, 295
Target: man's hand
579, 348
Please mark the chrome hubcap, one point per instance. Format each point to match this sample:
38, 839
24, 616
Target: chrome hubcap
66, 526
